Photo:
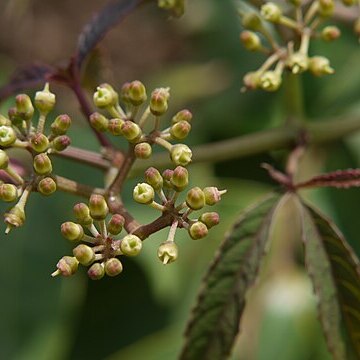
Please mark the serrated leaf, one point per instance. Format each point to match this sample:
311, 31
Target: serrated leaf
335, 273
102, 22
215, 320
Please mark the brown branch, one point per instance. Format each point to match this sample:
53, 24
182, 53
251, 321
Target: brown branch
75, 188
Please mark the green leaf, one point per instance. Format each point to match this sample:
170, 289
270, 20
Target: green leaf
215, 320
335, 273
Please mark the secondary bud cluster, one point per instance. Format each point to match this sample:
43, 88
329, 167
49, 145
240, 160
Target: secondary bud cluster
167, 187
291, 56
97, 248
128, 117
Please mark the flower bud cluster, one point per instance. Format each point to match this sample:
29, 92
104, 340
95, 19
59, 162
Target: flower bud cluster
140, 124
167, 187
97, 247
291, 56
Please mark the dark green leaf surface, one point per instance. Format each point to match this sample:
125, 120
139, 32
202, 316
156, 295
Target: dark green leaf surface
335, 273
215, 321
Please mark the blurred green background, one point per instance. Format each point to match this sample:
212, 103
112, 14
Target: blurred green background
142, 313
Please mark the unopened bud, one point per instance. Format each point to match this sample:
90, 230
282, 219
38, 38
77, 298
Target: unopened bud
270, 80
131, 131
180, 154
210, 219
297, 63
42, 164
198, 230
154, 178
348, 2
167, 175
115, 224
180, 130
46, 186
72, 231
4, 160
251, 21
113, 267
5, 121
271, 12
330, 33
320, 65
61, 142
159, 101
167, 252
15, 217
137, 93
183, 115
96, 271
82, 214
250, 40
84, 254
99, 122
131, 245
24, 107
252, 80
61, 124
39, 142
124, 93
143, 150
7, 135
213, 195
14, 117
8, 192
180, 178
67, 266
143, 193
195, 198
98, 207
115, 125
105, 96
45, 100
326, 8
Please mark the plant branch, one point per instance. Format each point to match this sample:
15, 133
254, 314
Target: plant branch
73, 187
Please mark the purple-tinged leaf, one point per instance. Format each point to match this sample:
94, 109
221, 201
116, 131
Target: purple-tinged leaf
215, 319
335, 273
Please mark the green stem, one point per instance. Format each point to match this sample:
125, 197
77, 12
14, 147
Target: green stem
294, 102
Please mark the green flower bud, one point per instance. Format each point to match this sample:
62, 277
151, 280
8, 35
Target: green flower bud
105, 96
45, 100
60, 143
61, 124
297, 63
198, 230
143, 150
42, 164
72, 231
159, 101
113, 267
5, 121
167, 252
180, 130
39, 142
270, 80
98, 207
15, 217
210, 219
14, 117
131, 245
252, 21
84, 254
167, 175
271, 12
124, 93
154, 178
252, 80
131, 131
99, 122
183, 115
250, 40
115, 224
67, 265
82, 214
326, 8
320, 65
180, 178
7, 135
213, 195
96, 271
180, 154
4, 160
8, 192
115, 125
136, 93
195, 198
143, 193
24, 107
330, 33
46, 186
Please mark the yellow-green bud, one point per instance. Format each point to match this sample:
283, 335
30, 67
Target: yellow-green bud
60, 143
210, 219
180, 130
39, 142
24, 107
143, 193
330, 33
326, 8
4, 160
67, 265
115, 224
251, 21
271, 12
8, 192
183, 115
82, 214
131, 245
159, 101
46, 186
320, 65
213, 195
7, 135
124, 93
5, 121
84, 254
180, 154
42, 164
72, 231
250, 40
131, 131
297, 63
96, 271
45, 100
167, 252
115, 125
167, 175
14, 117
143, 150
136, 93
105, 96
270, 80
98, 207
252, 80
61, 124
154, 178
198, 230
113, 267
180, 178
195, 198
99, 122
15, 217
